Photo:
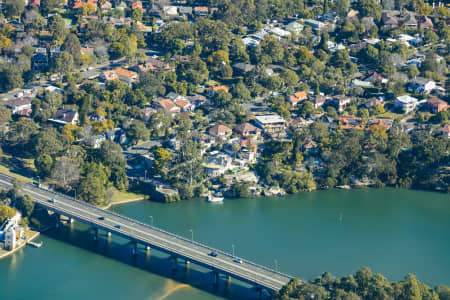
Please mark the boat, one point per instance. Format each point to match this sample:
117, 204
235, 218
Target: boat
211, 198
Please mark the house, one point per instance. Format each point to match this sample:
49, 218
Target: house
425, 23
170, 11
220, 131
109, 75
95, 141
297, 98
294, 27
201, 11
185, 11
218, 164
278, 32
317, 100
389, 19
242, 68
341, 102
247, 150
247, 130
20, 106
215, 89
65, 116
445, 131
184, 105
405, 103
197, 100
315, 25
421, 85
437, 105
349, 122
310, 147
374, 77
270, 123
39, 61
409, 20
166, 105
126, 76
361, 84
373, 103
299, 122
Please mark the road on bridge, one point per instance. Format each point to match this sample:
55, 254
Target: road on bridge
154, 237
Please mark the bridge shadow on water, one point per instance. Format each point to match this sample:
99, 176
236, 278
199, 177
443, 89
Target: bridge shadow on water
156, 262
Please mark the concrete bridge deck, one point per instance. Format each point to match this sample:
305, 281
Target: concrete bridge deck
153, 237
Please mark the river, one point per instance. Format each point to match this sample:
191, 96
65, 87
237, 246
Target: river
394, 232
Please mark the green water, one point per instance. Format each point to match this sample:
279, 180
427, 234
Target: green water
392, 231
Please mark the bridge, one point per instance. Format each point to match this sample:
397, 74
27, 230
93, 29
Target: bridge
176, 246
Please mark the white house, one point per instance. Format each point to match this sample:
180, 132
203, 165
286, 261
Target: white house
405, 103
422, 85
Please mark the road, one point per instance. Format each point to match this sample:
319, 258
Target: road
154, 237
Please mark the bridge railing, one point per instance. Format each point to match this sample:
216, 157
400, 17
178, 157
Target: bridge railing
154, 228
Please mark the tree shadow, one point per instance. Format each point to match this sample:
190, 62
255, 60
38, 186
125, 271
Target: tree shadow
17, 165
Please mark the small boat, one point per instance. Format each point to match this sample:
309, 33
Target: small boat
211, 198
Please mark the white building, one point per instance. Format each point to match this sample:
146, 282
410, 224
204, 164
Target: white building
11, 232
270, 123
405, 103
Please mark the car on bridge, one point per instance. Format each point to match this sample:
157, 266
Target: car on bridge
237, 260
52, 200
117, 226
101, 218
213, 254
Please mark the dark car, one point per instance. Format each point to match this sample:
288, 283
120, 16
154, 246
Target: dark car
101, 218
52, 200
117, 226
213, 254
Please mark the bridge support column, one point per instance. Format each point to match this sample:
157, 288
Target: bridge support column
95, 234
108, 234
69, 220
187, 263
216, 278
147, 248
58, 220
174, 262
260, 293
134, 249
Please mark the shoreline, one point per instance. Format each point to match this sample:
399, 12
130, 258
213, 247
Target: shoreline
30, 239
122, 202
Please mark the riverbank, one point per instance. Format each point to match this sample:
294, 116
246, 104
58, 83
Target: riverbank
30, 234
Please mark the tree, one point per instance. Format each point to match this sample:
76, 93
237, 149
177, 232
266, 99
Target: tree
341, 7
66, 172
6, 212
138, 132
26, 205
72, 45
20, 132
63, 63
13, 8
92, 190
136, 14
10, 78
44, 165
57, 28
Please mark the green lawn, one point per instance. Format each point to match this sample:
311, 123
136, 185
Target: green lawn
124, 196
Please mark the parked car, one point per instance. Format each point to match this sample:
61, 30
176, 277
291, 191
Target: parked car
213, 254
